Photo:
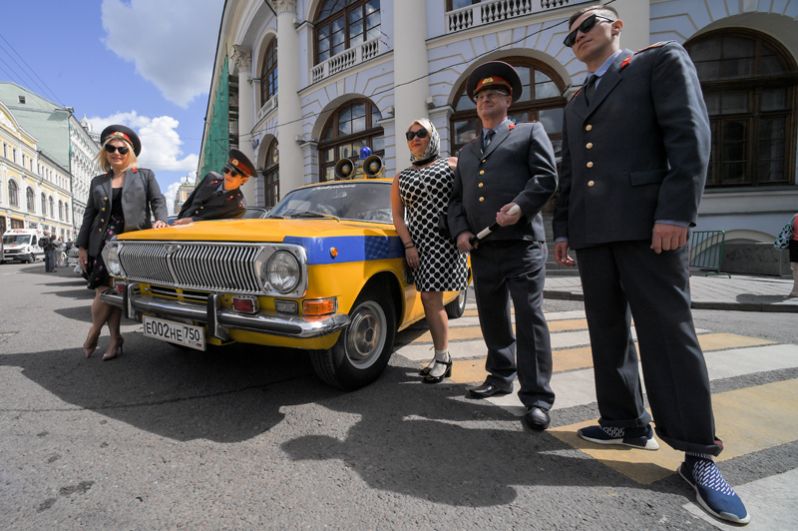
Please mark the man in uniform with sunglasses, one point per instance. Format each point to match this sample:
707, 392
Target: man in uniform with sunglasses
636, 144
218, 196
505, 176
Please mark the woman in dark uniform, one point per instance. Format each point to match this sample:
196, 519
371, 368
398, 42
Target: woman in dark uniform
419, 196
120, 200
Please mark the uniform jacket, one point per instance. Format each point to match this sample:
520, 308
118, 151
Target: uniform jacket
141, 198
206, 202
638, 153
518, 166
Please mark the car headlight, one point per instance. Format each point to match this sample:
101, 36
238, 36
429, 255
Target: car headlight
111, 258
283, 272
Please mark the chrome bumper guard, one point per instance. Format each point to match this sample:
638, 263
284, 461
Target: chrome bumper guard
220, 321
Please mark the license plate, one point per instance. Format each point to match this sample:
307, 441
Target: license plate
173, 332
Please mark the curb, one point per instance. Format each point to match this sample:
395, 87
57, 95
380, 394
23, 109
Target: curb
697, 305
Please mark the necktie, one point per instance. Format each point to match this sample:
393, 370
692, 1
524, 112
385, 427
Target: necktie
488, 137
590, 87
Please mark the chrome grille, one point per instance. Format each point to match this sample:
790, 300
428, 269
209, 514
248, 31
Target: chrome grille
193, 265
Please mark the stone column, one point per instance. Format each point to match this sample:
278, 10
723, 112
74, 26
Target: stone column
289, 111
241, 57
409, 63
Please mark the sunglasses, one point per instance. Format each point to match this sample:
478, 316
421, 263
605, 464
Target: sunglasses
421, 133
584, 27
110, 148
234, 172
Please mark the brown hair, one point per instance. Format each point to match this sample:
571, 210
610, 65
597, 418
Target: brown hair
608, 11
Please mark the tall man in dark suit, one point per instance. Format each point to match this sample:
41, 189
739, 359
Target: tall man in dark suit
505, 177
636, 145
218, 196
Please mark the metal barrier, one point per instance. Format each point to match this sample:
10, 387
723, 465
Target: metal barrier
707, 250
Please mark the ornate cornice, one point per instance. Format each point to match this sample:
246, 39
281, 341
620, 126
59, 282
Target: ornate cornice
284, 6
241, 57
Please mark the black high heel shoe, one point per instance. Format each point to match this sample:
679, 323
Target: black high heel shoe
111, 354
428, 367
430, 379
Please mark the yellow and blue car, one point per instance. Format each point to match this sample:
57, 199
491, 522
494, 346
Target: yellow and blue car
324, 272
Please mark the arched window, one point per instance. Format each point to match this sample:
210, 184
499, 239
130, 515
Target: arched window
271, 175
13, 193
541, 101
749, 87
52, 210
44, 204
60, 210
66, 212
351, 126
343, 24
31, 199
268, 73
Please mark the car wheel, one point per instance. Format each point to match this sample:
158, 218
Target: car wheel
456, 308
364, 346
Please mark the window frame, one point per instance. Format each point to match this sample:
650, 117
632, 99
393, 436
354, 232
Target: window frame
271, 175
752, 85
318, 24
370, 132
269, 86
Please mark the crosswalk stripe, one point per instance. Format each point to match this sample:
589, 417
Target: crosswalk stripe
743, 428
771, 501
471, 311
460, 333
472, 370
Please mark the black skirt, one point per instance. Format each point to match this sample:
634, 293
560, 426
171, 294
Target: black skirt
793, 250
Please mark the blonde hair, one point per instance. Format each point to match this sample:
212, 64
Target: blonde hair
102, 155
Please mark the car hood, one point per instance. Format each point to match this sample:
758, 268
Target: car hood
259, 230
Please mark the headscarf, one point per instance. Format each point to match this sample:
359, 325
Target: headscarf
434, 142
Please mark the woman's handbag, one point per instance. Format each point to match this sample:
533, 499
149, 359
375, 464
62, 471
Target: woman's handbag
784, 237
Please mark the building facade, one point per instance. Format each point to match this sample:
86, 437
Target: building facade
300, 84
67, 143
34, 189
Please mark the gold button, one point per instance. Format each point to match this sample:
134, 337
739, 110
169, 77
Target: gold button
589, 145
102, 209
591, 183
484, 161
589, 164
481, 199
481, 185
589, 127
482, 172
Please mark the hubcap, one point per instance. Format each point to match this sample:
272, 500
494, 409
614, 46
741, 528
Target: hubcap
365, 336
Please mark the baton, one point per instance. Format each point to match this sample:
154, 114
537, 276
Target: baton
487, 231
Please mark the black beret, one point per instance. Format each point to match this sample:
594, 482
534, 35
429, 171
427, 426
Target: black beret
494, 74
240, 162
126, 133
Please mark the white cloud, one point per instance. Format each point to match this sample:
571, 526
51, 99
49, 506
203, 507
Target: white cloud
172, 43
160, 141
170, 193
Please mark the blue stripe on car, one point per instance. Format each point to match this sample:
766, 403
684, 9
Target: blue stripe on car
350, 248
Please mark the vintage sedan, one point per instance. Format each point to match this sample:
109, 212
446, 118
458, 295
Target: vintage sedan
325, 272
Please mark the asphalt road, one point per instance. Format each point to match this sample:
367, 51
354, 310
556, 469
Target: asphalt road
248, 438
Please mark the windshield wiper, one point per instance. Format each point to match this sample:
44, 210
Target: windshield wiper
312, 214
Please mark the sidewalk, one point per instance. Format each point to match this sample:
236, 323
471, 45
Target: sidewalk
716, 292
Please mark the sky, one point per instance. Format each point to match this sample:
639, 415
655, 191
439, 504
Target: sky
146, 64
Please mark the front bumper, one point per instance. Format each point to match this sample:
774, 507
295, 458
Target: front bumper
220, 321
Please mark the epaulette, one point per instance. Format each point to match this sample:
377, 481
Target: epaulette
652, 46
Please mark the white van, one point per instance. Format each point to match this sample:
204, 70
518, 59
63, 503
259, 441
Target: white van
22, 245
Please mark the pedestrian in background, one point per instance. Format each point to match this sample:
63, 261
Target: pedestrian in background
218, 195
419, 197
636, 145
793, 247
505, 176
46, 243
120, 200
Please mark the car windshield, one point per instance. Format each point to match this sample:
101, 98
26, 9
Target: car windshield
255, 213
18, 239
362, 201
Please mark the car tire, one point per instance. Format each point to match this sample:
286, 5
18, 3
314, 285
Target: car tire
456, 308
364, 346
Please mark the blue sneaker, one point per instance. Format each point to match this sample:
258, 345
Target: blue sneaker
713, 493
615, 435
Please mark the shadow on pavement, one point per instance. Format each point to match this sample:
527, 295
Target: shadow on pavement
225, 395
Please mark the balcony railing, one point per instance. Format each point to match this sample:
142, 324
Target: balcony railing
267, 107
491, 11
346, 59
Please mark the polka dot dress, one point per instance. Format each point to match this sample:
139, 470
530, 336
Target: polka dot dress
425, 193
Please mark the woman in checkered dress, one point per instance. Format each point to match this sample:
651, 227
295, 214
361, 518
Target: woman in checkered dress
420, 196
